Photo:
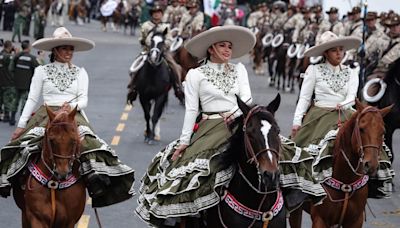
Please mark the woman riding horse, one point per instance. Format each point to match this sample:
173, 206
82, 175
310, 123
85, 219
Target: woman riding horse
184, 178
316, 122
64, 85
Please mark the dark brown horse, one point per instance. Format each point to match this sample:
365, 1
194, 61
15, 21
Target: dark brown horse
186, 61
356, 157
253, 198
53, 194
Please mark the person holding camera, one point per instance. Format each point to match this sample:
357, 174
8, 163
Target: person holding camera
7, 90
22, 66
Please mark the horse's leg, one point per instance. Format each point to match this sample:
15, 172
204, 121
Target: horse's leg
157, 111
355, 222
146, 105
25, 223
388, 140
295, 218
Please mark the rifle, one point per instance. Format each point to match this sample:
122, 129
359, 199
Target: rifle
362, 51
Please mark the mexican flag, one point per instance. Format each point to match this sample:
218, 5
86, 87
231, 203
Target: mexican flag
210, 6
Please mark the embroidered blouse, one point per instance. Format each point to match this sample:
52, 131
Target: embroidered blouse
332, 85
214, 88
56, 83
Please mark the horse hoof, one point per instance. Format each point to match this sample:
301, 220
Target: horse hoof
152, 142
146, 139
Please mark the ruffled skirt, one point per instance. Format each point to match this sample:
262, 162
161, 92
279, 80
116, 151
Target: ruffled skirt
96, 157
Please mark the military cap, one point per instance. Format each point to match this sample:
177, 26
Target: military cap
332, 10
371, 15
156, 7
392, 21
356, 9
192, 4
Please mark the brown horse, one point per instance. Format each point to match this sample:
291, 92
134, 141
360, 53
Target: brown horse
356, 153
53, 194
186, 61
116, 19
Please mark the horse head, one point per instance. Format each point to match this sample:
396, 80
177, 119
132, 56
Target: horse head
262, 142
155, 55
368, 135
61, 143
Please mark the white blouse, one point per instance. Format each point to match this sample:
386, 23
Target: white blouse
56, 83
332, 85
214, 89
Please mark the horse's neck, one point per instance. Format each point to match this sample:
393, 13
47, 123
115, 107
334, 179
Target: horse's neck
341, 168
241, 190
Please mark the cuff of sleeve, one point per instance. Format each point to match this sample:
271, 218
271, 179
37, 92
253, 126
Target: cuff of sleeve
297, 121
346, 104
21, 124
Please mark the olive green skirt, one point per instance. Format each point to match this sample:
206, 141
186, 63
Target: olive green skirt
96, 157
190, 184
314, 144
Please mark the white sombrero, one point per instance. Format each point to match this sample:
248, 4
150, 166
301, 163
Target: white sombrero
242, 39
330, 40
61, 36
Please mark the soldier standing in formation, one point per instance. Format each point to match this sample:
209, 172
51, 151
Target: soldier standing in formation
7, 90
22, 67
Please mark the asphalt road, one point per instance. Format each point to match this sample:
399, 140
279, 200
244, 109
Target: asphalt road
107, 66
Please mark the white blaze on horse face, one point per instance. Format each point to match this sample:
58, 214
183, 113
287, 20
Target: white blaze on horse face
266, 126
156, 40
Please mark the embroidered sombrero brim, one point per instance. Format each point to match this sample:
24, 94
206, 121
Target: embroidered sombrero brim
242, 39
347, 43
79, 44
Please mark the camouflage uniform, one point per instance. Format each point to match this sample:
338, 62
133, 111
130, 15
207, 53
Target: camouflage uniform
23, 66
191, 23
7, 90
173, 15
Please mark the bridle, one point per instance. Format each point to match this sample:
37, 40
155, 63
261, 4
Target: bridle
357, 134
158, 53
52, 155
228, 198
250, 154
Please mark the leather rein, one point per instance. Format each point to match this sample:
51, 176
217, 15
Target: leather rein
350, 189
233, 203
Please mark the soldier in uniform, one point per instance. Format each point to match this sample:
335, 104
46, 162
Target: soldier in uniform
7, 90
259, 17
192, 22
356, 24
9, 11
173, 13
22, 67
148, 28
375, 42
302, 27
331, 24
293, 20
20, 20
278, 16
392, 51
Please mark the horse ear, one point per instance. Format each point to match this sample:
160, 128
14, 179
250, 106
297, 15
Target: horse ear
165, 31
359, 105
71, 115
50, 113
274, 105
386, 110
242, 106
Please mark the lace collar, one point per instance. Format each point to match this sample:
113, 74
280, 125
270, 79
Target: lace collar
222, 76
335, 76
61, 75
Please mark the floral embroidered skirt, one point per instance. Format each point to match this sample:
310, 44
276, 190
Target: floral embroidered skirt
314, 144
96, 157
190, 184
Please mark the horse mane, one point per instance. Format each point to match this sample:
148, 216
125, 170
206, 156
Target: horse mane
393, 71
344, 133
